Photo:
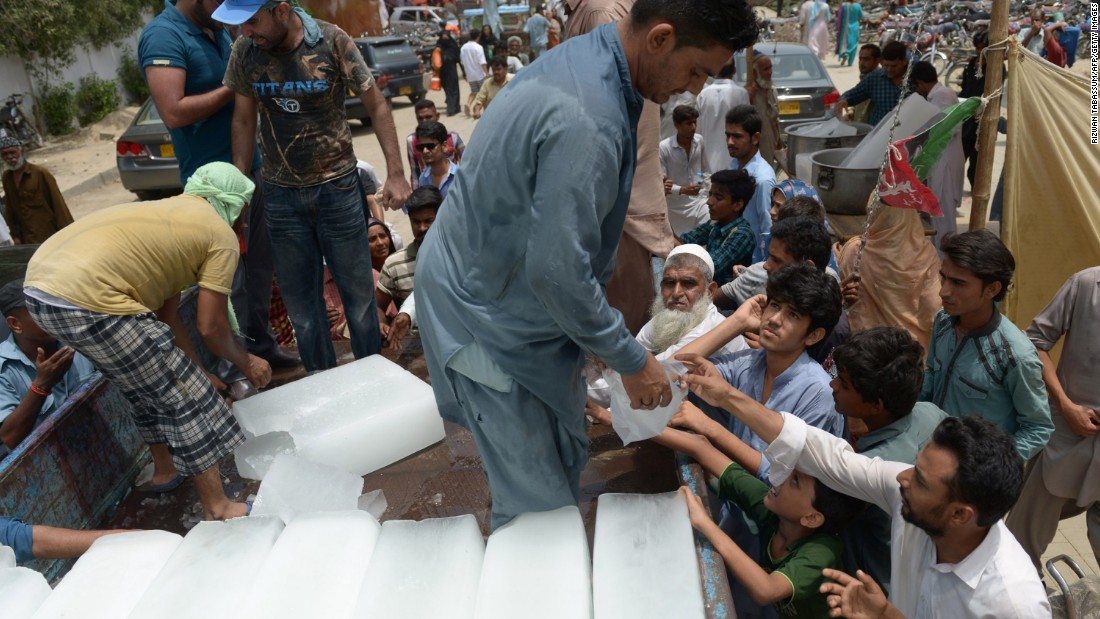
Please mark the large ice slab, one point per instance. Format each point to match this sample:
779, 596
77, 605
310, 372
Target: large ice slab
296, 486
423, 569
109, 579
644, 562
358, 417
22, 591
537, 566
207, 574
316, 568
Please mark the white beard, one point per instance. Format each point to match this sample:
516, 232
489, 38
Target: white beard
18, 164
671, 325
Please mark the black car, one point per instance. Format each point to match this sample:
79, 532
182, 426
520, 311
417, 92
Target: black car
398, 71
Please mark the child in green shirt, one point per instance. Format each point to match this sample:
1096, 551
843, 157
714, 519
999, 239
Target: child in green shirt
799, 523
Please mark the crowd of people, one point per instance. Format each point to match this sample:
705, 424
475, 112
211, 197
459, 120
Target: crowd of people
865, 465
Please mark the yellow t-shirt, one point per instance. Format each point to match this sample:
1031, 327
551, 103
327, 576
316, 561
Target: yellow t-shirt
130, 259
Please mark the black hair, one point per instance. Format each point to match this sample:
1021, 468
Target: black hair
432, 129
746, 117
424, 197
981, 37
883, 363
838, 508
805, 239
875, 51
894, 50
990, 470
684, 113
984, 255
738, 183
700, 23
499, 61
801, 206
924, 72
727, 71
424, 104
810, 291
475, 34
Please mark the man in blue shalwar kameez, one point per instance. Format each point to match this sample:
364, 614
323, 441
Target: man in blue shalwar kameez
510, 281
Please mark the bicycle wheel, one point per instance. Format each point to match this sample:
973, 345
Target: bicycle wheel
953, 77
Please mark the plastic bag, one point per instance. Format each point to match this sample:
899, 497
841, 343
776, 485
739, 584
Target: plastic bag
639, 424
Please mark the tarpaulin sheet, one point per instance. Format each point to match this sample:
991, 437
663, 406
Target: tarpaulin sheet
1052, 182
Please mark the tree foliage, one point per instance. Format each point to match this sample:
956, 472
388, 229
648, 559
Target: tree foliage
45, 33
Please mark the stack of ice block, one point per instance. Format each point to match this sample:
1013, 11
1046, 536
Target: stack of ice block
22, 591
297, 486
358, 417
315, 568
537, 566
207, 574
423, 569
644, 562
109, 579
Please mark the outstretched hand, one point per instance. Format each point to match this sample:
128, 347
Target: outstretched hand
703, 378
855, 598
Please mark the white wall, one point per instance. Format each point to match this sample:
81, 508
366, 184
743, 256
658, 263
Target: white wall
103, 62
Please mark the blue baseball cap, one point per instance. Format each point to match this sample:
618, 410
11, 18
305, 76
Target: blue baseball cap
236, 12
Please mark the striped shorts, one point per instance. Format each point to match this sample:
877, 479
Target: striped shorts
174, 402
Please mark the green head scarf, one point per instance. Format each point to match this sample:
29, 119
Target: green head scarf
224, 187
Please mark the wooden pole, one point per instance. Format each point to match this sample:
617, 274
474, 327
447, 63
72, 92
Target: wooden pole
987, 125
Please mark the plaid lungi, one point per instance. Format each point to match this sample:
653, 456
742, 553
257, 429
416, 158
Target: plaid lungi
173, 400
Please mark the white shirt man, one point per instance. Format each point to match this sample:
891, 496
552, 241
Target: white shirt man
713, 103
474, 63
687, 203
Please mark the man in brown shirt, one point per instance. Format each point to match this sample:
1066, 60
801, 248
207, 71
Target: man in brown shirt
34, 206
647, 233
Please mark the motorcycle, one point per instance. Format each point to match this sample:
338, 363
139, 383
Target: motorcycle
13, 123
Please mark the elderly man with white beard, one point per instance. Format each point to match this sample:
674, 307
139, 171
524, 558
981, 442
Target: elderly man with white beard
685, 309
683, 312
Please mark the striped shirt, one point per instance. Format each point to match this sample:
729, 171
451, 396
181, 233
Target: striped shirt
398, 273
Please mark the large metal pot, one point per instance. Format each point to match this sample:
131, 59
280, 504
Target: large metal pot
797, 143
844, 191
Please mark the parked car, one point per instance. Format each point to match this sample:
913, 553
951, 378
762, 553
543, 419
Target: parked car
407, 19
802, 85
147, 162
397, 69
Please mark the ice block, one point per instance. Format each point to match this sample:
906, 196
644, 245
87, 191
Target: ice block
255, 455
537, 566
374, 503
210, 571
423, 569
316, 568
296, 486
22, 591
7, 556
358, 417
109, 579
644, 563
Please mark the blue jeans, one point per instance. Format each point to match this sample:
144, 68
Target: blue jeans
326, 221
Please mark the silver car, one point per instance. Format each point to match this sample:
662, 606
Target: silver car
147, 162
802, 85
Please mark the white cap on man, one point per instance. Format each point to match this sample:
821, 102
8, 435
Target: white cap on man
699, 252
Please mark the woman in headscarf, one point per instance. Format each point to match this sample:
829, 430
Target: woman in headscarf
847, 37
814, 19
448, 70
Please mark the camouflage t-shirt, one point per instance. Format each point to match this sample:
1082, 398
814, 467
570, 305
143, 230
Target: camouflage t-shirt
304, 134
